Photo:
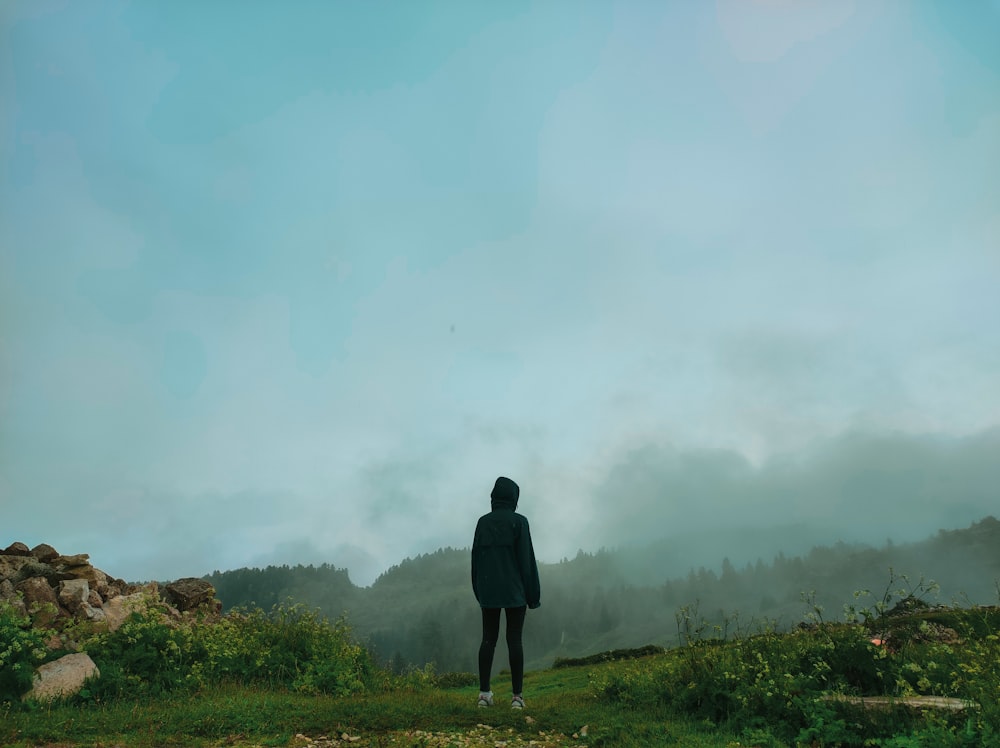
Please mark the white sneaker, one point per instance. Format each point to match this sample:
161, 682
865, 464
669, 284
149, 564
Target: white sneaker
485, 698
517, 702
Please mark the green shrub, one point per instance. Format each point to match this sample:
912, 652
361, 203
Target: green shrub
22, 648
415, 678
145, 656
456, 680
291, 647
774, 683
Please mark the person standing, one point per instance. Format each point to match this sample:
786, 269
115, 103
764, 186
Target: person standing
504, 577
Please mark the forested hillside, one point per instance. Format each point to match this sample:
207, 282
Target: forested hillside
422, 610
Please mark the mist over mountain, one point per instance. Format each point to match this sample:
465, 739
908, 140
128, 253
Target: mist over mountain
422, 610
698, 506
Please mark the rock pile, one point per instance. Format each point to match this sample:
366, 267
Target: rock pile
57, 591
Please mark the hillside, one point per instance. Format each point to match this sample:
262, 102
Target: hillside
901, 671
421, 610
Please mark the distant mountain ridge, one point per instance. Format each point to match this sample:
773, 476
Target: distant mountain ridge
422, 610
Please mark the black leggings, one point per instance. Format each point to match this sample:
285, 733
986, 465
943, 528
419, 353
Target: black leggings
491, 632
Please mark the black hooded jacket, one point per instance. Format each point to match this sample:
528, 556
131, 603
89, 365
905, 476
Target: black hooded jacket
504, 571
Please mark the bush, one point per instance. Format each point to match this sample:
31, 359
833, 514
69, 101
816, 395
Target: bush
773, 683
456, 680
290, 648
145, 656
22, 648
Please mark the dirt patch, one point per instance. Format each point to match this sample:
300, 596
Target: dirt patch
480, 736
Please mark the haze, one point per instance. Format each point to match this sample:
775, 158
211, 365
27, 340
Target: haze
293, 283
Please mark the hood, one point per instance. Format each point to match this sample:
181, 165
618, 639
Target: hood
505, 494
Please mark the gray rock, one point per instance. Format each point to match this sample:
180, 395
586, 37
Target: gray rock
117, 609
95, 615
73, 594
63, 677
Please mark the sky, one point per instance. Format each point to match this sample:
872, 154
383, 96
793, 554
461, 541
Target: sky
295, 282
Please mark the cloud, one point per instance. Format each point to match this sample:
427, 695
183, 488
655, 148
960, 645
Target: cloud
773, 56
766, 30
860, 487
697, 505
184, 363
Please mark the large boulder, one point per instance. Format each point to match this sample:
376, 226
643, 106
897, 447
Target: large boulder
74, 594
16, 549
44, 552
40, 601
78, 559
37, 592
188, 593
87, 572
117, 609
62, 677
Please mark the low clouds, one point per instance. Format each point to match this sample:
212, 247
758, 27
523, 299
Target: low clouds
859, 487
697, 506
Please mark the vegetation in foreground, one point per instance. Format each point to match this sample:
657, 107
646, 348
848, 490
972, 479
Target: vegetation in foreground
260, 678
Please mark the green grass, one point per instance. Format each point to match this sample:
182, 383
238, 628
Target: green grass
561, 702
265, 681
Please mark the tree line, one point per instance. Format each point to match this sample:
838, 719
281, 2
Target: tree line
422, 610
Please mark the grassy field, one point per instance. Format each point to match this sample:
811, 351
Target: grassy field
562, 710
292, 678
